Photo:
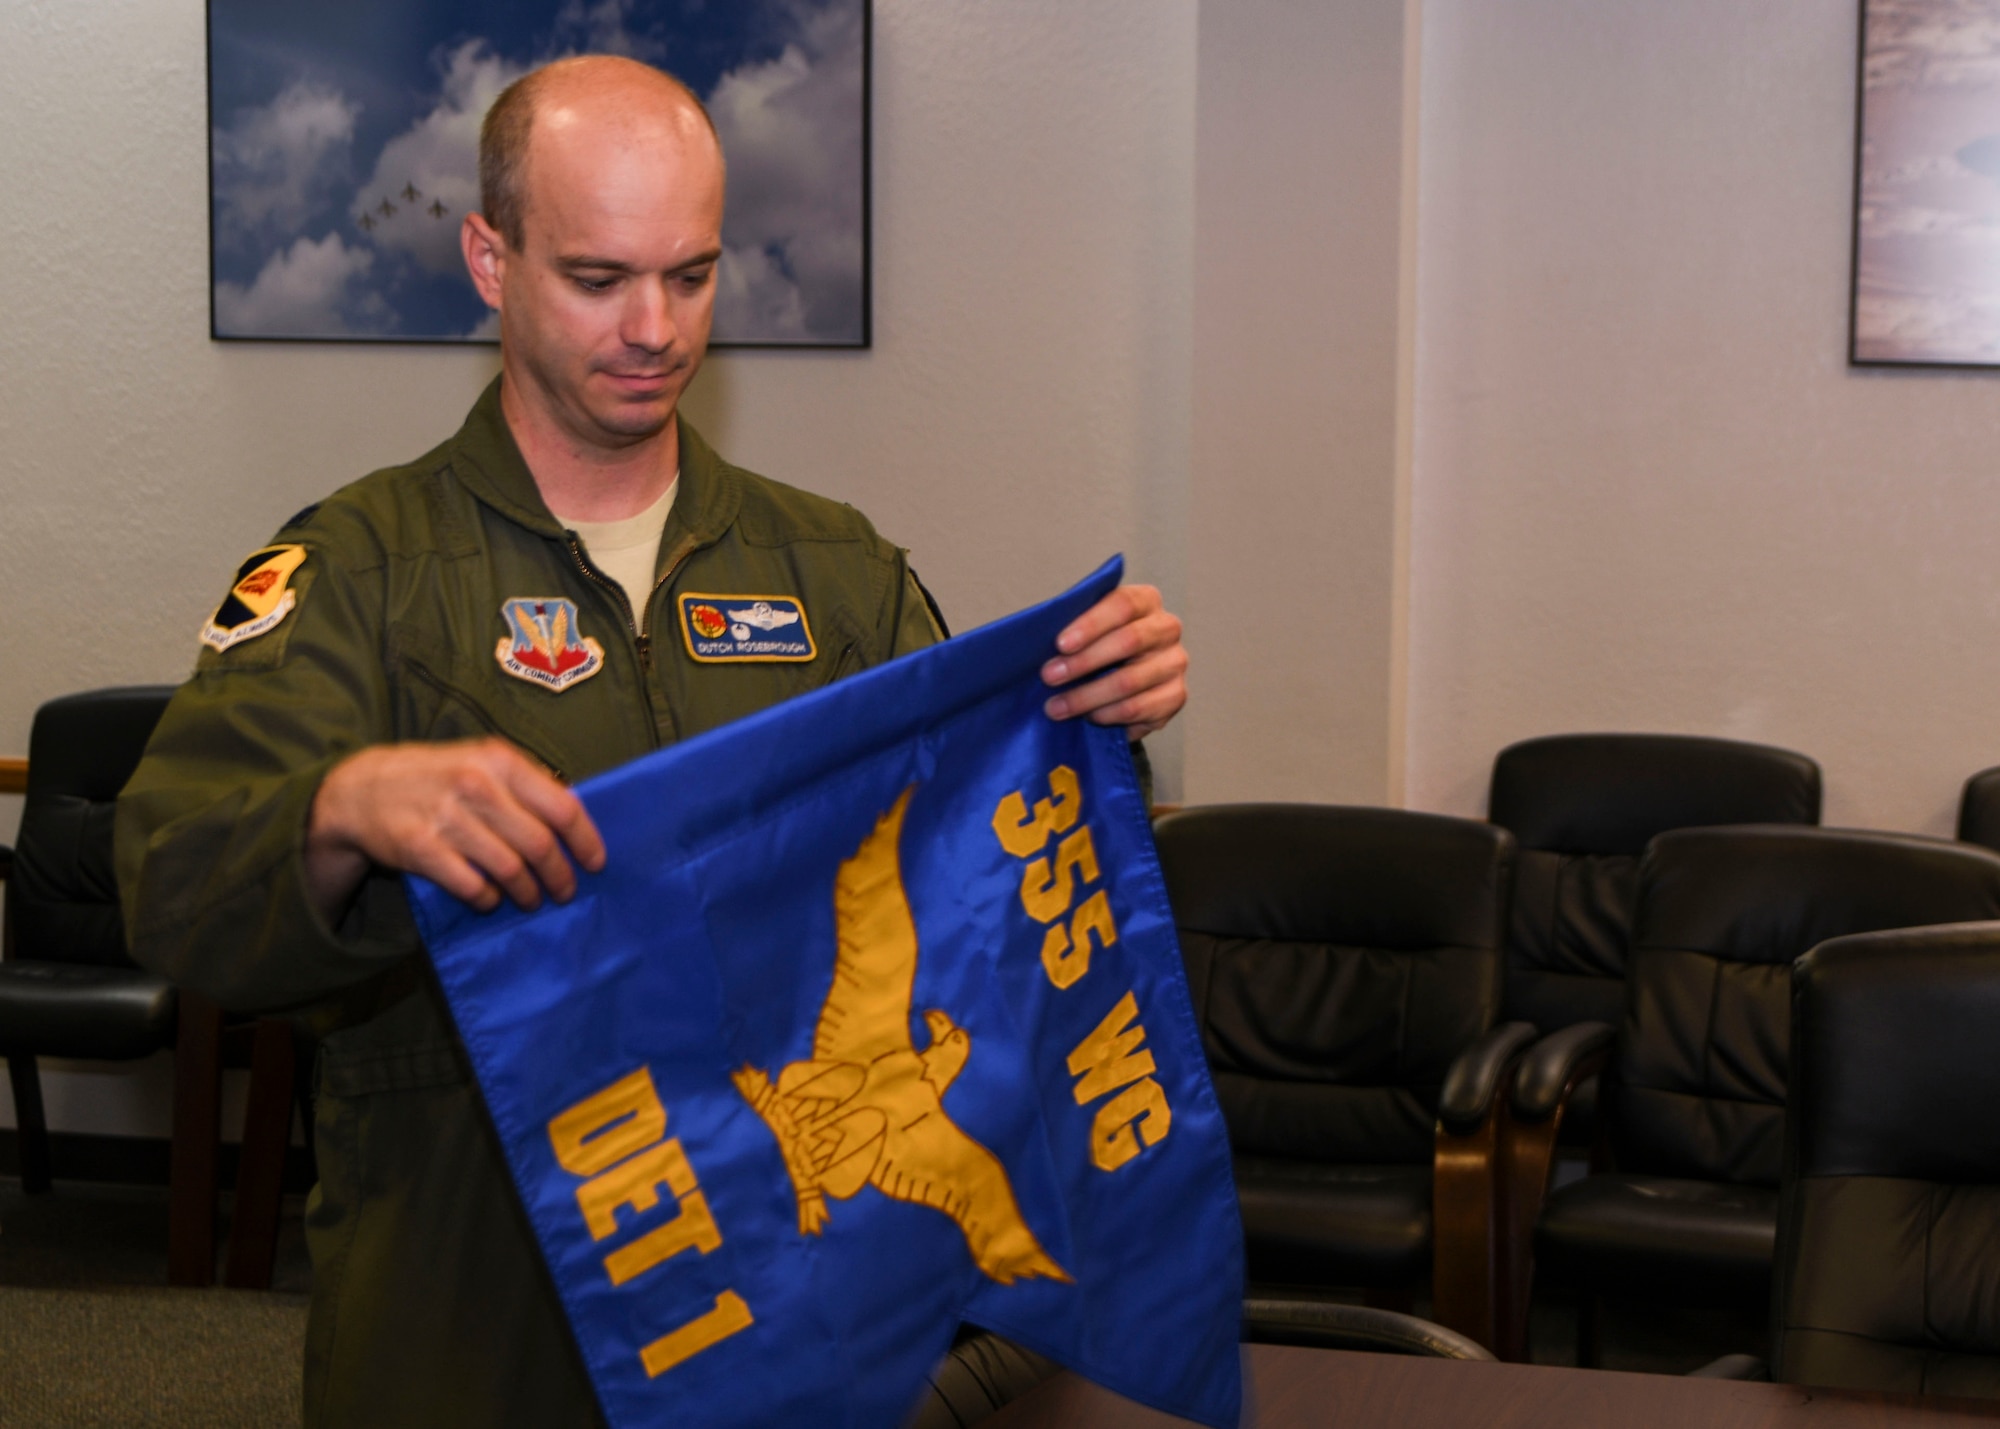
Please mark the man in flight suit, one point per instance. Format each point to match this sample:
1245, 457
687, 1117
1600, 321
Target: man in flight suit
411, 674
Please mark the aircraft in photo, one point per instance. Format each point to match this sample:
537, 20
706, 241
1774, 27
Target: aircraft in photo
374, 93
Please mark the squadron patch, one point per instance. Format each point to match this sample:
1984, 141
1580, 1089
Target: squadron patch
723, 629
542, 645
260, 599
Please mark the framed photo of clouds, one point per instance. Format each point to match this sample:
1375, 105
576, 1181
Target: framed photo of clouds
1927, 185
343, 156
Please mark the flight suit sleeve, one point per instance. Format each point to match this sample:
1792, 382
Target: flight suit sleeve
916, 622
210, 831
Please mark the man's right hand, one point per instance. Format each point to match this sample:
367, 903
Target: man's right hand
477, 818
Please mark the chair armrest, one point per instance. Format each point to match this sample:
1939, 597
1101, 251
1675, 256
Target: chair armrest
1464, 1198
1543, 1080
1330, 1325
982, 1375
1733, 1367
1556, 1064
1476, 1077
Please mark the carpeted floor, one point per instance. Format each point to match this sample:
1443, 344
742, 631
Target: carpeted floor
92, 1338
107, 1359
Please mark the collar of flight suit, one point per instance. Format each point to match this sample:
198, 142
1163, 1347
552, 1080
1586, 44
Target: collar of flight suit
489, 461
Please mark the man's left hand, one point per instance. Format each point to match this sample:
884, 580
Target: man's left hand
1131, 630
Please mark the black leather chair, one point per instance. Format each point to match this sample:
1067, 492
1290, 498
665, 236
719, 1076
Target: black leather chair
981, 1376
1696, 1096
68, 989
1979, 809
66, 986
1332, 1325
1582, 808
1889, 1213
1345, 967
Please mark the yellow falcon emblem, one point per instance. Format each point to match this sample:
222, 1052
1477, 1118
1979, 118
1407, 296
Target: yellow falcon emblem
868, 1108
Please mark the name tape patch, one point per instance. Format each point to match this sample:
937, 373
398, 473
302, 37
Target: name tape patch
258, 601
724, 629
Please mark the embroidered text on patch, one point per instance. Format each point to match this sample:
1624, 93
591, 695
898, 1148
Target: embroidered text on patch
260, 599
542, 645
744, 628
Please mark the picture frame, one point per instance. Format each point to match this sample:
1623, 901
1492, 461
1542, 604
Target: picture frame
343, 156
1926, 236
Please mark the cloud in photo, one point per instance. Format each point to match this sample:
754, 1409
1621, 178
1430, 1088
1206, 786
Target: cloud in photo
437, 157
1932, 44
792, 260
600, 27
277, 162
303, 291
1913, 221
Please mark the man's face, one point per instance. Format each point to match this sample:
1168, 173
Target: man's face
605, 308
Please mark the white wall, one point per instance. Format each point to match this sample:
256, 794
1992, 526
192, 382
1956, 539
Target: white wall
1649, 492
1154, 275
1022, 415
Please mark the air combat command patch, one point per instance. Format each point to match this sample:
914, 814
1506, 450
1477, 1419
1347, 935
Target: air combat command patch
260, 599
542, 645
731, 628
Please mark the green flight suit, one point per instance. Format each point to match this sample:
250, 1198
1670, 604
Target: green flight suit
430, 1305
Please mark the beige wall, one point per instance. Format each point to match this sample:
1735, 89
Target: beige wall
1022, 415
1649, 492
1293, 559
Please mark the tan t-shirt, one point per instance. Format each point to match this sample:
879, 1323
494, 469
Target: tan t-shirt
628, 550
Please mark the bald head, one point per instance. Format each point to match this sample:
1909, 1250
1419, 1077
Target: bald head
619, 98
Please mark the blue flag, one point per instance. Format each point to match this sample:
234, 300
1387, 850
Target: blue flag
873, 1022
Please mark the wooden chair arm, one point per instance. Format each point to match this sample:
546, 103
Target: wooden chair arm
1466, 1222
13, 776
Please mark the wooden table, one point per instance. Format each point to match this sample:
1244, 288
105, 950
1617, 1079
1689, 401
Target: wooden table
1304, 1389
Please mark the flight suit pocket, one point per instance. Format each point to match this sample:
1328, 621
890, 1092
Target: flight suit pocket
364, 1072
444, 703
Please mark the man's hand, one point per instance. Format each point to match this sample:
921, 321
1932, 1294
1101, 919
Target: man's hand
476, 817
1131, 629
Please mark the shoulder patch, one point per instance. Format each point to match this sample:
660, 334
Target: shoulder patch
260, 599
746, 629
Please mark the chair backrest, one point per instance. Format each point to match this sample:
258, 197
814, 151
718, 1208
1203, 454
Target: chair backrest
1979, 809
1703, 1050
1887, 1253
1583, 807
63, 896
1339, 958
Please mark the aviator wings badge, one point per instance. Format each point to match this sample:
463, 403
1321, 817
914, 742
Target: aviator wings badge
867, 1108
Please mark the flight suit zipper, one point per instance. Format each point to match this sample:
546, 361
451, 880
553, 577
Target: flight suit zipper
641, 646
642, 641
